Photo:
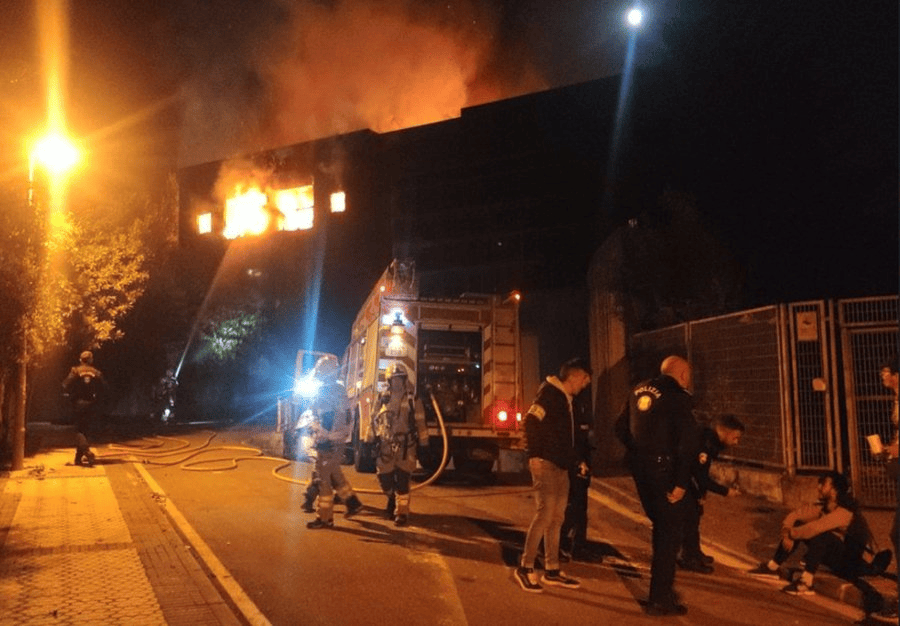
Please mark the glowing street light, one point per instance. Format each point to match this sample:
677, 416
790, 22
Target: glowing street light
55, 153
634, 17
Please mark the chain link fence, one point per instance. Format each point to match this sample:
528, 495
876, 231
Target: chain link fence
803, 377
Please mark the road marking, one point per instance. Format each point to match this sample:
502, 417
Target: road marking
241, 600
452, 613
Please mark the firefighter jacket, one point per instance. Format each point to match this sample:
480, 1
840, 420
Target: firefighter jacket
331, 425
550, 429
396, 417
710, 447
660, 425
83, 385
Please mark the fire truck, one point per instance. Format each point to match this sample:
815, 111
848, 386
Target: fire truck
462, 354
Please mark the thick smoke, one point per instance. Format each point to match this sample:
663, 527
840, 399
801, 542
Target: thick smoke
324, 69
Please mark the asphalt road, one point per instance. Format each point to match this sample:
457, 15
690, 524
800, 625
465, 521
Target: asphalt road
452, 565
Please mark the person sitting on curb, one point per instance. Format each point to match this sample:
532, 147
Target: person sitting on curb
835, 534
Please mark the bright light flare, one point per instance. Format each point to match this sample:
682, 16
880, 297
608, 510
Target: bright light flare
55, 153
307, 387
634, 17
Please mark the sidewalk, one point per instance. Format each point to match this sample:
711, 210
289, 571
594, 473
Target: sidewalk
743, 531
93, 546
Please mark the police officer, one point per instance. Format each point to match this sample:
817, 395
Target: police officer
82, 386
330, 430
398, 428
660, 433
724, 432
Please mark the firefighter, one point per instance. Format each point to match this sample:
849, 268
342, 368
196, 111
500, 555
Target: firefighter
330, 430
82, 387
398, 428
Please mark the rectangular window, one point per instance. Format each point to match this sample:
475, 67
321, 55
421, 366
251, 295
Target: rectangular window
338, 202
204, 223
296, 206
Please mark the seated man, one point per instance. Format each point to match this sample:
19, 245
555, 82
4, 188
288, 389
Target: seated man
835, 534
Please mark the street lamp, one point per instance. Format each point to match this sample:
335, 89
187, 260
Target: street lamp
55, 153
634, 17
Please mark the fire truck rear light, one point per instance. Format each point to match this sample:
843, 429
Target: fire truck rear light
502, 416
519, 416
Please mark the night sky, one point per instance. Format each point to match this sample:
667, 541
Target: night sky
781, 118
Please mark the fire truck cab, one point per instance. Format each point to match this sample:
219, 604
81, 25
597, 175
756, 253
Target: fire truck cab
462, 354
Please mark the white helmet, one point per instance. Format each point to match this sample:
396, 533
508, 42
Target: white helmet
394, 370
326, 367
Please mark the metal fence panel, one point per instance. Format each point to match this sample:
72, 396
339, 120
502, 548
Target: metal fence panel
869, 337
737, 370
812, 416
648, 349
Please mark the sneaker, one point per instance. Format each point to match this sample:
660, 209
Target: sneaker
798, 588
558, 579
401, 520
707, 558
317, 524
879, 563
526, 578
389, 509
762, 572
89, 459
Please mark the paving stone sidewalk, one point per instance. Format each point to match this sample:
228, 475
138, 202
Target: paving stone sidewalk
91, 546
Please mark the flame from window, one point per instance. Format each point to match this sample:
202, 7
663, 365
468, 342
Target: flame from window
250, 211
245, 213
296, 207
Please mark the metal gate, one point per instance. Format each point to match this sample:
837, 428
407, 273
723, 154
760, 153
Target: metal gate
868, 334
815, 445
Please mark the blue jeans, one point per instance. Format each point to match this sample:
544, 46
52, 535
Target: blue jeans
551, 484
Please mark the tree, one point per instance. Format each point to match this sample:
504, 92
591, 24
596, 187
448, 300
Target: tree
75, 286
674, 268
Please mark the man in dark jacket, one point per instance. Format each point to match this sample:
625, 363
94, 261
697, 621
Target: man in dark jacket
82, 387
550, 435
660, 432
724, 432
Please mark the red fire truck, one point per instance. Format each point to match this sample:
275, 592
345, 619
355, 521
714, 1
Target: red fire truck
464, 354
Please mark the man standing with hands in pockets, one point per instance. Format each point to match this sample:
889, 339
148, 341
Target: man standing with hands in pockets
550, 436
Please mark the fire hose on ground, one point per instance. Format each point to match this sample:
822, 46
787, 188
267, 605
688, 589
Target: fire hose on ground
150, 455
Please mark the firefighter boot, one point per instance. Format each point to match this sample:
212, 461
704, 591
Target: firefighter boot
318, 524
309, 501
353, 506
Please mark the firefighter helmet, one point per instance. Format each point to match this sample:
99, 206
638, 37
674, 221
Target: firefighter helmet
326, 367
394, 370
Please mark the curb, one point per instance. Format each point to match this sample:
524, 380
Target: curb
826, 584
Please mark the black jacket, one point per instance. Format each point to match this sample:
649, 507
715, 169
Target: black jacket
710, 447
659, 422
550, 428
